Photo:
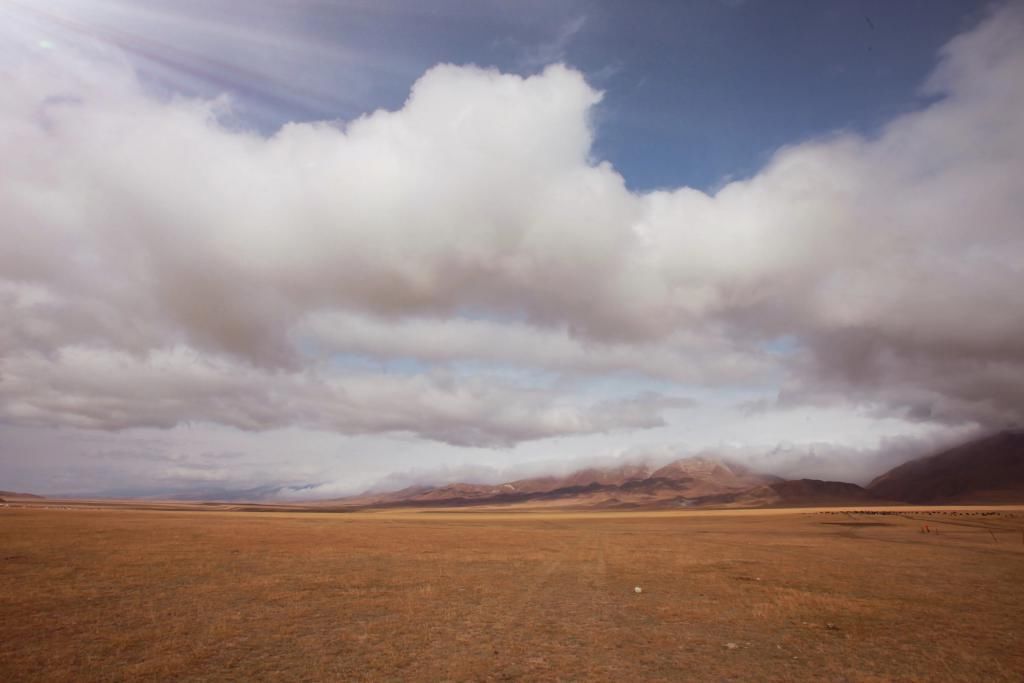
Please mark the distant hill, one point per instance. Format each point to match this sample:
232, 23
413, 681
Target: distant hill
817, 492
259, 493
987, 470
14, 494
796, 493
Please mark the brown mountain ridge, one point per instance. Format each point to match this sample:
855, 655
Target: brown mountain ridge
987, 470
688, 482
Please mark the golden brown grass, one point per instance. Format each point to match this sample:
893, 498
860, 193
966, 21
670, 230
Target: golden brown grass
130, 595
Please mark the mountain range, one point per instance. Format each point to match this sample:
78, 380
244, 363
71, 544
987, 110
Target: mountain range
986, 470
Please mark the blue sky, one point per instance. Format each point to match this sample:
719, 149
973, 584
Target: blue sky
695, 93
471, 237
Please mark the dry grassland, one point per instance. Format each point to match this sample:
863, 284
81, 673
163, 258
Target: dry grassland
772, 596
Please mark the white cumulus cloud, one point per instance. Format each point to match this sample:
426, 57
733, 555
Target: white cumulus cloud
158, 264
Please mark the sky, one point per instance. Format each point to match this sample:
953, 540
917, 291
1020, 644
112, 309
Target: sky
302, 249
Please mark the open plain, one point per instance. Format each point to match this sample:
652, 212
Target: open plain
767, 595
